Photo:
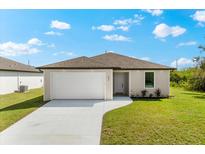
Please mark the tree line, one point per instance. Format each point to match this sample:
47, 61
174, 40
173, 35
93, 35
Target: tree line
191, 78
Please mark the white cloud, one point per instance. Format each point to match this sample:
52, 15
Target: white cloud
133, 57
162, 30
126, 22
123, 22
66, 53
182, 62
106, 28
109, 28
53, 33
116, 37
177, 30
11, 48
35, 41
51, 45
123, 28
136, 20
156, 12
200, 17
145, 58
60, 25
110, 51
142, 58
189, 43
14, 49
138, 17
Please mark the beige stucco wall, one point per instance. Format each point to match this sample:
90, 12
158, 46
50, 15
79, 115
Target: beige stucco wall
137, 81
109, 80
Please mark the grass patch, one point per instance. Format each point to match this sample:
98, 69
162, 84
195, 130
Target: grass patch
15, 106
177, 120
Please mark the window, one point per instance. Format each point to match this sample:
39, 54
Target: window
149, 79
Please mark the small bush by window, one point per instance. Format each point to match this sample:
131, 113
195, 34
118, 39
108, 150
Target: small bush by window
149, 79
144, 92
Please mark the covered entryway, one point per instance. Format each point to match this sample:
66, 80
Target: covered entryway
120, 83
78, 85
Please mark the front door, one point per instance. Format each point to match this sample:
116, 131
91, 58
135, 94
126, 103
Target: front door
120, 83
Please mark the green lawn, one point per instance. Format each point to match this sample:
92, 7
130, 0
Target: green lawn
15, 106
177, 120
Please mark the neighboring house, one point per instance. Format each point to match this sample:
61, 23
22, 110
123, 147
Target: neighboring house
14, 74
102, 76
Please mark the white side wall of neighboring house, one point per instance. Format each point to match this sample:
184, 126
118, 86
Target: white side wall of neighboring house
161, 81
11, 80
8, 82
33, 80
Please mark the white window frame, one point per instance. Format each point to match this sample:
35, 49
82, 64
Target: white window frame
144, 79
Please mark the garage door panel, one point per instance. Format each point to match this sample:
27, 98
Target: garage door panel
78, 85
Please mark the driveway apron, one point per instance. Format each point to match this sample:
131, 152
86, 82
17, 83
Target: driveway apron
62, 122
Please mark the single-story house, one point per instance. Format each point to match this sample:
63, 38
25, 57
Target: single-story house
102, 76
14, 74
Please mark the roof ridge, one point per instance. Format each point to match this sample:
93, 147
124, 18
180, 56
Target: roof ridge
144, 61
106, 60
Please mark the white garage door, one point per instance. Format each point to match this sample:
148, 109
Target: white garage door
77, 85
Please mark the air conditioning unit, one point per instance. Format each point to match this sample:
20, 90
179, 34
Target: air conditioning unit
23, 88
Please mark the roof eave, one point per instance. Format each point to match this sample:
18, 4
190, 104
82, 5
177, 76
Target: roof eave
115, 68
74, 68
10, 70
147, 68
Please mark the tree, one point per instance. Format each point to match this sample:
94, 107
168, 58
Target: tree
197, 81
199, 60
196, 60
202, 48
202, 64
175, 77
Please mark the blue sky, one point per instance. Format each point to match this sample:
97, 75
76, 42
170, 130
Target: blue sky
47, 36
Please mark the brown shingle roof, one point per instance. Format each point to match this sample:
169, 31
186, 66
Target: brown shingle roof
76, 63
107, 60
125, 62
10, 65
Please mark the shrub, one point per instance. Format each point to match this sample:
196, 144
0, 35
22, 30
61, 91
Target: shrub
183, 78
202, 66
174, 84
197, 81
184, 84
151, 95
144, 92
157, 92
175, 77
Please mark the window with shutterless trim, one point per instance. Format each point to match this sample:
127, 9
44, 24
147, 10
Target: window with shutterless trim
149, 79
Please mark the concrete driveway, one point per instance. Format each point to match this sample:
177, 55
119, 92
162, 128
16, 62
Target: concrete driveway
62, 122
